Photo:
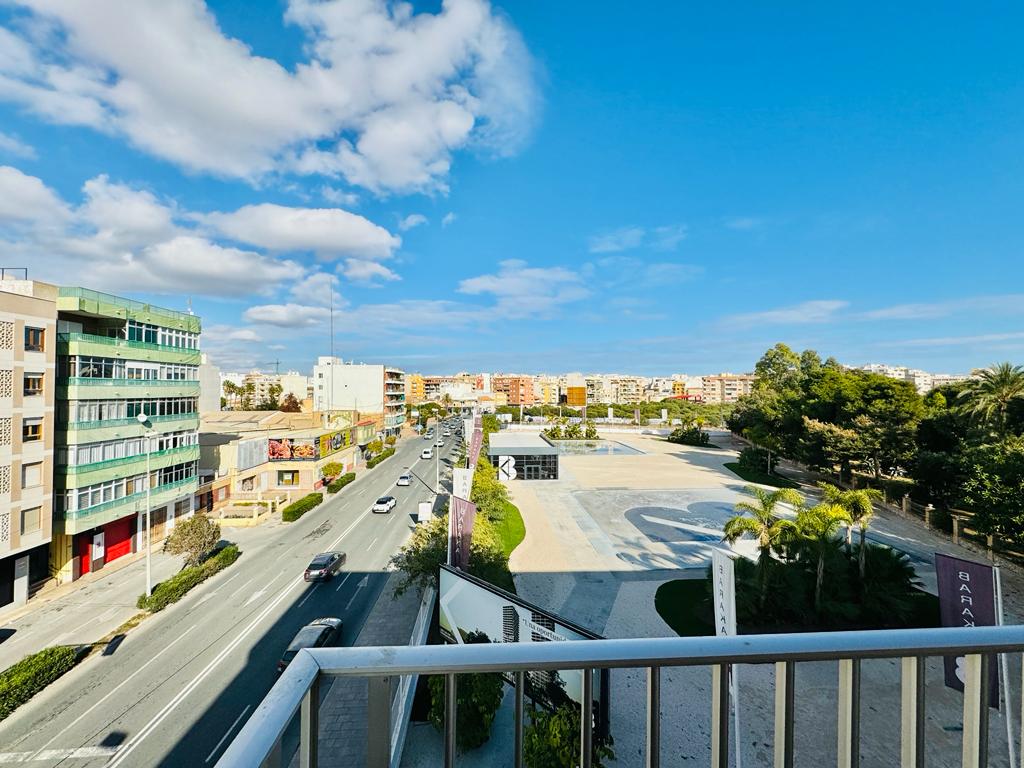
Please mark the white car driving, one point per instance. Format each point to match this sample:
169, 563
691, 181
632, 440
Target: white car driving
427, 453
439, 443
404, 479
384, 504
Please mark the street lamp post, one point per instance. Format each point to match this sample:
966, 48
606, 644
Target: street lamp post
148, 427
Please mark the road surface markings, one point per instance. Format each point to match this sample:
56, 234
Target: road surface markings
363, 583
308, 595
204, 598
232, 578
342, 582
241, 588
79, 753
156, 656
373, 542
255, 596
228, 732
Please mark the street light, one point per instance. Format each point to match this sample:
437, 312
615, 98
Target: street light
147, 425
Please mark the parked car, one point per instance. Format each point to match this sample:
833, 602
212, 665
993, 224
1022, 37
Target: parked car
427, 453
317, 634
324, 566
385, 504
404, 479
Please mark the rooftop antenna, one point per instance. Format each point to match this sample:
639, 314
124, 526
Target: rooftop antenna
188, 301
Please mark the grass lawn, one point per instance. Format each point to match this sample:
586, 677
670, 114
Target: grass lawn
684, 604
762, 478
510, 528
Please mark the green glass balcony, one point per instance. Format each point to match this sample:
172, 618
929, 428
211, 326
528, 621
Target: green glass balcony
84, 388
105, 346
100, 304
83, 475
101, 514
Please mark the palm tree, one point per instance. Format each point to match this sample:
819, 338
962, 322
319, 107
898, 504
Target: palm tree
988, 395
758, 519
818, 526
860, 505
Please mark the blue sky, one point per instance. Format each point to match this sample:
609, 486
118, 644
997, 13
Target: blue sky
527, 186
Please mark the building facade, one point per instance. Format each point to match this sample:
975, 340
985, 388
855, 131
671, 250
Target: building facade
415, 391
517, 389
727, 387
118, 360
28, 354
373, 391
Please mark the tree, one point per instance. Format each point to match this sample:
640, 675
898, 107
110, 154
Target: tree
860, 506
758, 520
778, 369
391, 439
552, 739
332, 469
989, 395
590, 430
247, 393
477, 698
194, 537
817, 526
290, 404
374, 447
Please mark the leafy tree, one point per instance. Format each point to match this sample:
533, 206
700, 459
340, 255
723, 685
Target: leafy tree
391, 439
756, 459
194, 537
989, 395
758, 520
477, 698
290, 404
778, 369
374, 447
817, 527
332, 469
691, 435
247, 393
552, 740
993, 487
860, 506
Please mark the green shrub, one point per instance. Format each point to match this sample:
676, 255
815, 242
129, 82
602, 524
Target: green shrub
477, 698
297, 509
23, 680
756, 459
379, 458
692, 435
391, 439
552, 740
176, 587
341, 482
332, 469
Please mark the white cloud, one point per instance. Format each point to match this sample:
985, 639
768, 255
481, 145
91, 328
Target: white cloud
668, 238
338, 196
12, 145
999, 304
221, 334
449, 218
286, 315
25, 198
384, 98
330, 232
123, 217
524, 291
412, 220
619, 240
362, 271
317, 289
955, 341
743, 223
819, 311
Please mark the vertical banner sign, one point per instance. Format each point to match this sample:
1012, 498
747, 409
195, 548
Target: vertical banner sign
461, 514
474, 447
467, 429
462, 483
724, 585
966, 599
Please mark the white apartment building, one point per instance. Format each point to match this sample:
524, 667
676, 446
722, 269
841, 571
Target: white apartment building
376, 391
923, 381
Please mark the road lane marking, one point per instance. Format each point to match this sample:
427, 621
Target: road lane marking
255, 596
365, 580
343, 581
156, 656
246, 584
228, 732
78, 753
373, 542
308, 595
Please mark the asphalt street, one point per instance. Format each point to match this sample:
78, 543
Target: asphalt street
176, 690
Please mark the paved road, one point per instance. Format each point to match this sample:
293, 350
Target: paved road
176, 690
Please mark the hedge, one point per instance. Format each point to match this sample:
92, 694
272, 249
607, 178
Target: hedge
23, 680
176, 587
336, 485
379, 458
297, 509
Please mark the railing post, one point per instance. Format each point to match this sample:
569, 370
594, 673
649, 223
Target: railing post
975, 742
378, 715
849, 713
928, 515
274, 758
309, 726
785, 701
587, 720
956, 529
450, 691
653, 717
520, 689
912, 712
720, 716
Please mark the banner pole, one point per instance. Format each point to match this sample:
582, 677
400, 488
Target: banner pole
734, 670
1005, 694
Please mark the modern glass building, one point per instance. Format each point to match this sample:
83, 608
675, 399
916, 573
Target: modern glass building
522, 456
117, 359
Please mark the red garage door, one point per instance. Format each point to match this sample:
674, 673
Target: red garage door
117, 539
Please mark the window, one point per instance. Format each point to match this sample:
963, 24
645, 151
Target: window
34, 338
288, 477
32, 430
30, 520
32, 475
33, 384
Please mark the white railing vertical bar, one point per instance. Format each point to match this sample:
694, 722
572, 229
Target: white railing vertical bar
720, 716
450, 692
975, 739
848, 730
309, 725
520, 691
785, 673
378, 719
274, 758
587, 720
912, 705
653, 717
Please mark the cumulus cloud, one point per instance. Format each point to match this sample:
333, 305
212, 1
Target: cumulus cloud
449, 218
286, 315
362, 271
27, 199
383, 99
412, 220
12, 145
524, 291
317, 289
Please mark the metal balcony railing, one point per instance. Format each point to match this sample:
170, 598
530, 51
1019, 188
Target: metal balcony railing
259, 743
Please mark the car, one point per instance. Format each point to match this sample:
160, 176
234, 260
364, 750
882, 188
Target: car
426, 453
428, 436
446, 433
317, 634
324, 566
439, 443
404, 479
385, 504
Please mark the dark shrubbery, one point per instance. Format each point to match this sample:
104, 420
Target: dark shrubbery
176, 587
23, 680
753, 459
692, 435
297, 509
370, 464
477, 698
341, 482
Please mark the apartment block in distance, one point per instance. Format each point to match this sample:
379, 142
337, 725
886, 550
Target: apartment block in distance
28, 354
117, 359
415, 390
518, 389
374, 391
727, 387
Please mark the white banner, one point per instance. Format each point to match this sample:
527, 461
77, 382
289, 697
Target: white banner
462, 482
724, 592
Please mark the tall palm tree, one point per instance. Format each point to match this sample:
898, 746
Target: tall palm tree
987, 397
818, 526
758, 519
860, 505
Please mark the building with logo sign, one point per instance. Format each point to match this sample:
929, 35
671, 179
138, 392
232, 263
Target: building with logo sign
523, 456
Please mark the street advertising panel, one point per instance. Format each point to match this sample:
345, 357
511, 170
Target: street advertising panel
251, 453
478, 422
424, 511
475, 444
461, 516
462, 482
471, 610
334, 442
967, 599
724, 586
287, 449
